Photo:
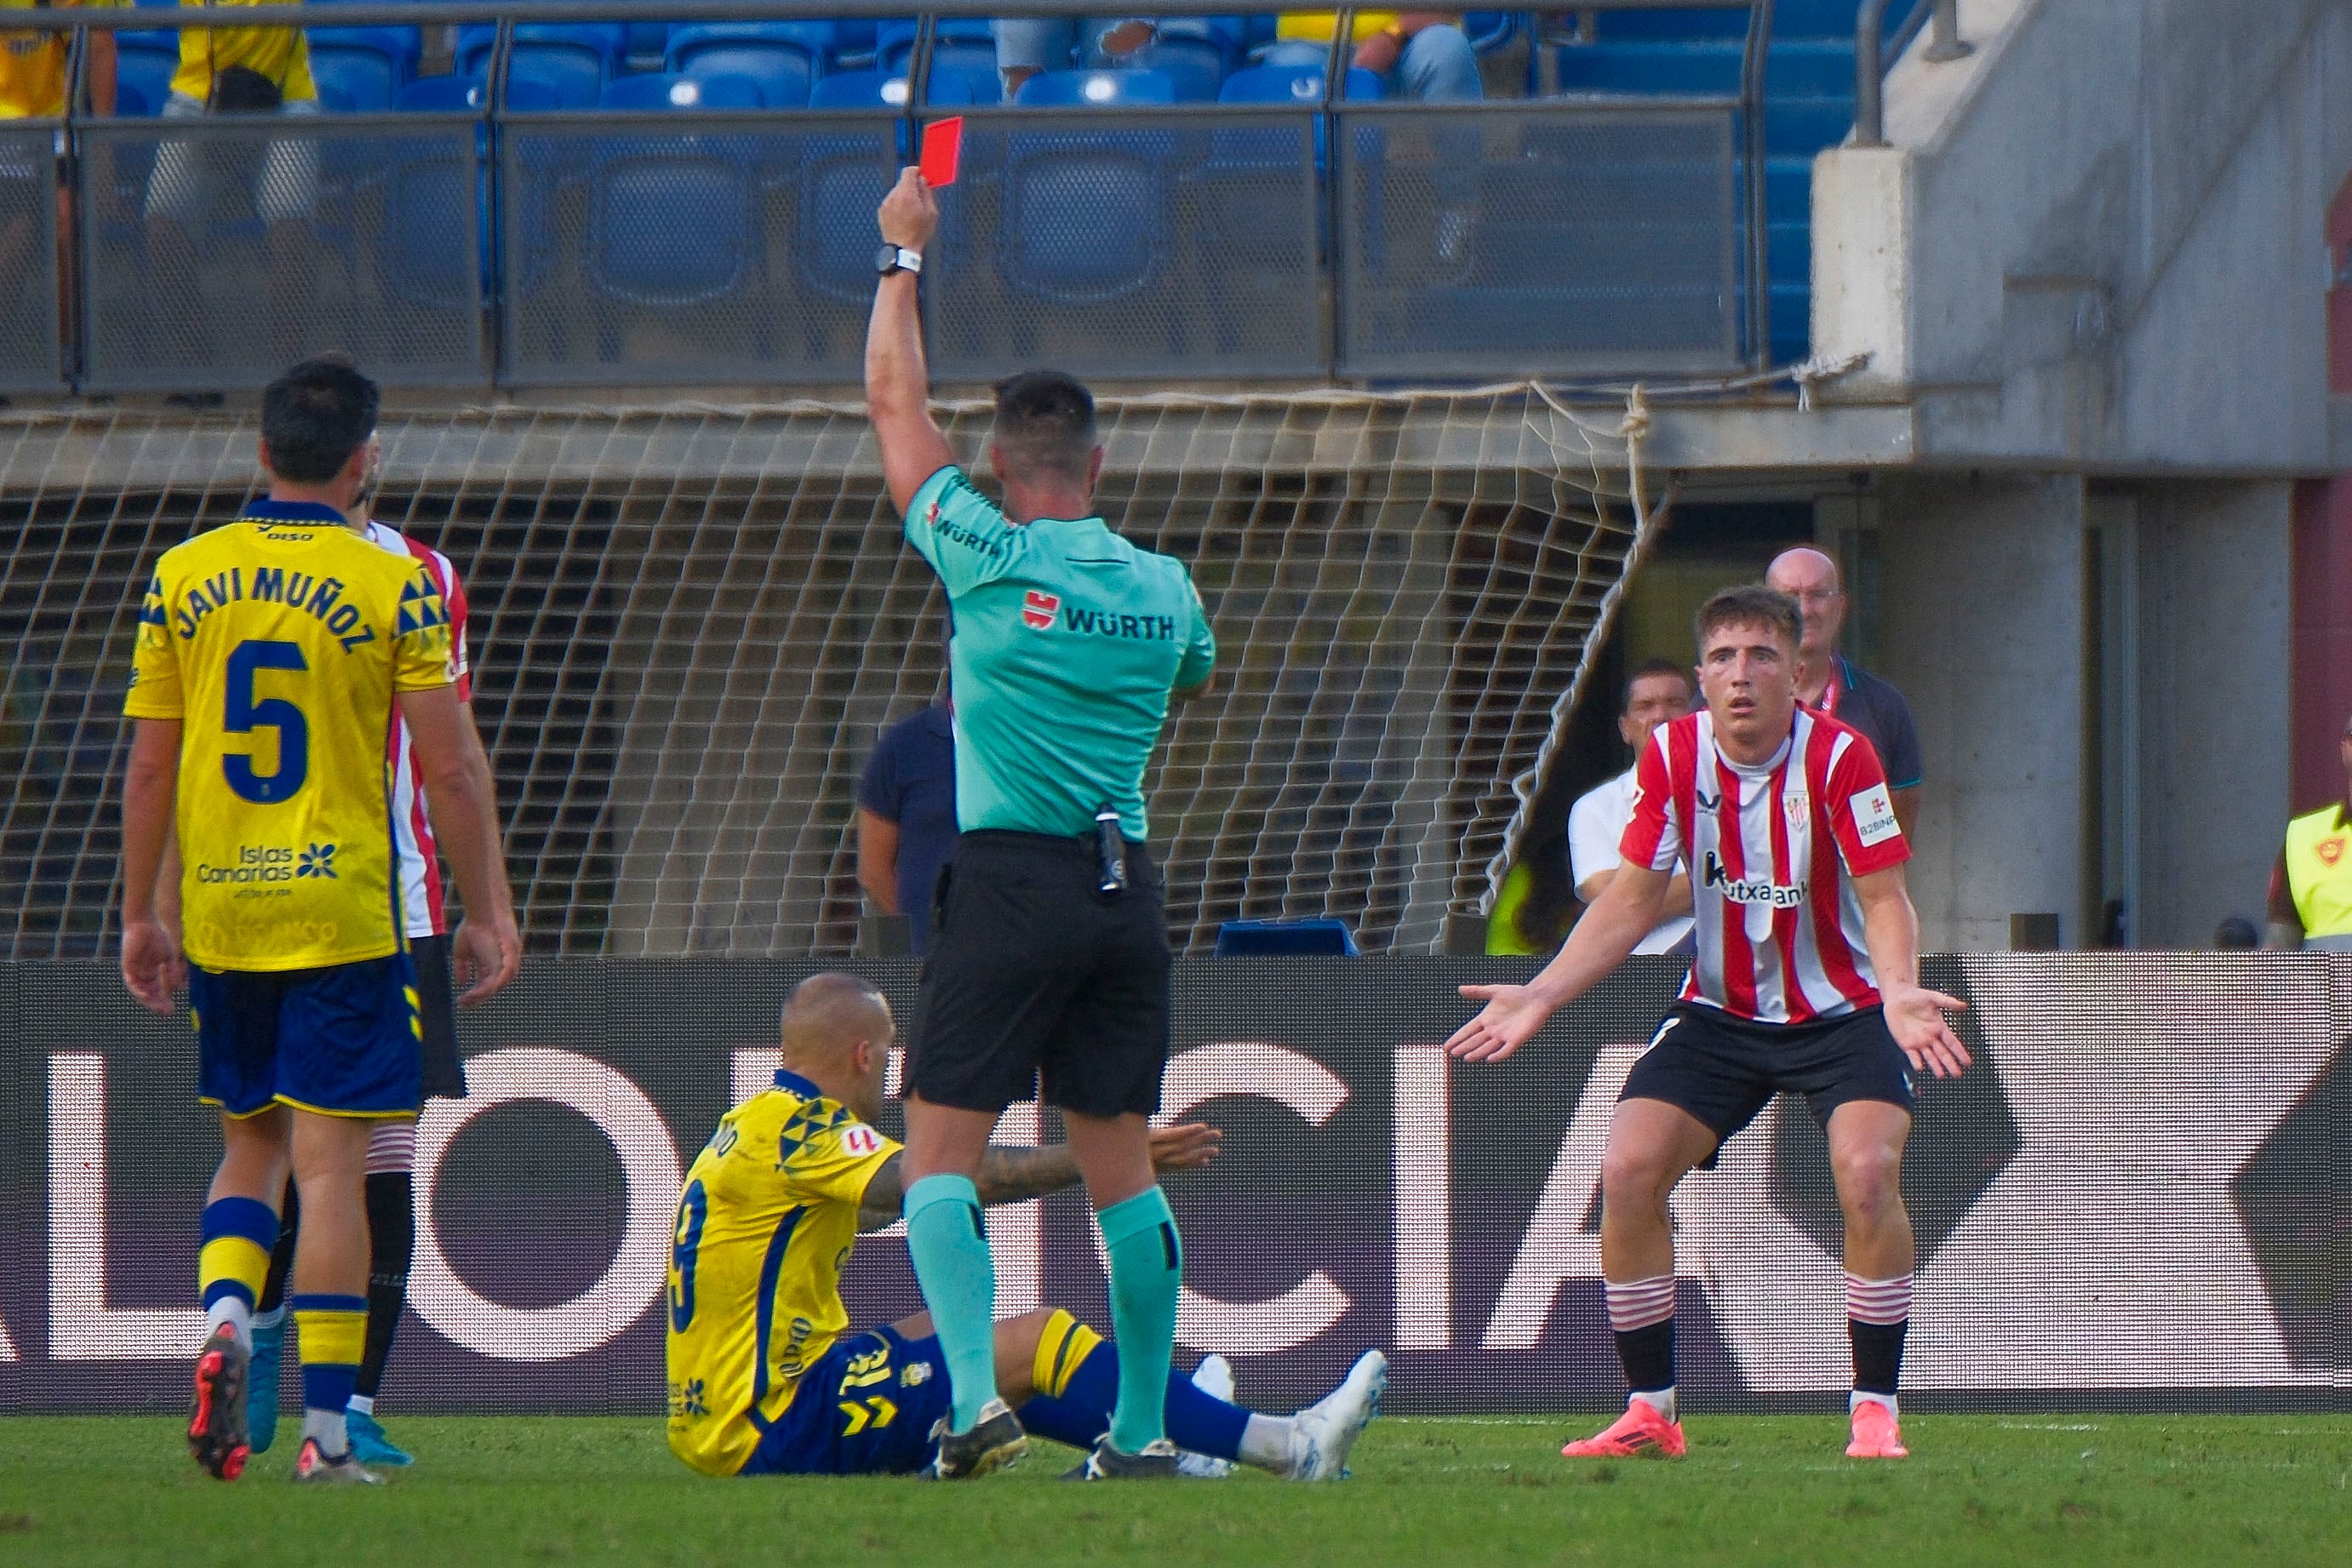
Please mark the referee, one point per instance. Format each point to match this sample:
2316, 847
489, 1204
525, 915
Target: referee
1050, 953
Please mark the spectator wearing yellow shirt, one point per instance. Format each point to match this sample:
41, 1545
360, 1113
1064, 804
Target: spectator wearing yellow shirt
1420, 55
35, 70
236, 70
2311, 886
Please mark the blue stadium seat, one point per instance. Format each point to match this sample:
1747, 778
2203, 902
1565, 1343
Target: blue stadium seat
1194, 53
145, 62
1292, 84
664, 91
645, 41
575, 58
130, 103
1322, 937
436, 211
964, 46
853, 43
1086, 213
1490, 30
368, 65
784, 57
880, 89
454, 94
670, 225
1137, 85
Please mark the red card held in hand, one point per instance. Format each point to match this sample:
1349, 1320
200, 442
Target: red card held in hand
942, 147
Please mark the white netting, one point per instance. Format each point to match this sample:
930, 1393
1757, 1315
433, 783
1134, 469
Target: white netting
690, 624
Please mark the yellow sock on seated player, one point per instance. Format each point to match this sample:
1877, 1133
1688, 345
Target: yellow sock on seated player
233, 1260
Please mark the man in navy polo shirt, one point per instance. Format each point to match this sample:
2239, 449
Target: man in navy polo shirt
1831, 683
906, 816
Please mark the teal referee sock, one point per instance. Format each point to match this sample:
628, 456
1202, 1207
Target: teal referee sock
959, 1281
1147, 1267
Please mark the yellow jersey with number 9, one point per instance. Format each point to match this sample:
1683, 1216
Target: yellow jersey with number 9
279, 641
764, 1229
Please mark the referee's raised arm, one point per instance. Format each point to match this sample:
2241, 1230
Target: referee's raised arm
897, 384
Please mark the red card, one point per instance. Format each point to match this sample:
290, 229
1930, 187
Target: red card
942, 148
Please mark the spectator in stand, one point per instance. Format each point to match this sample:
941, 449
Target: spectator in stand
1831, 683
1658, 693
33, 74
236, 71
906, 816
2311, 886
1027, 45
1420, 55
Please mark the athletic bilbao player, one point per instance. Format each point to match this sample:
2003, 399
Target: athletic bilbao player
1806, 980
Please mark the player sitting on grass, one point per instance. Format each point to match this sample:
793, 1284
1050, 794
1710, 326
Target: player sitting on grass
765, 1379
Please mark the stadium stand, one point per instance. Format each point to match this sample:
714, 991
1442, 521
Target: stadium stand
785, 58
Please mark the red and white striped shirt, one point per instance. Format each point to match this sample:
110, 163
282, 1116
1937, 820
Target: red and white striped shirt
421, 900
1773, 851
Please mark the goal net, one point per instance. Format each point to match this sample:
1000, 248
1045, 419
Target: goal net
689, 623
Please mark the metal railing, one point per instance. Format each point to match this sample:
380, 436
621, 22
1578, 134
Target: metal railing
1871, 57
1559, 237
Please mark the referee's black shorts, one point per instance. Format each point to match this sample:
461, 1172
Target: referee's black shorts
436, 1009
1033, 973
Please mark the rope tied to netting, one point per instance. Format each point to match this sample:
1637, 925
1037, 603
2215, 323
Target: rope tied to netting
1633, 429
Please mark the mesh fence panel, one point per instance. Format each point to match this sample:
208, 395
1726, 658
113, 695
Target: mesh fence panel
1171, 245
220, 251
689, 626
29, 351
711, 248
1591, 240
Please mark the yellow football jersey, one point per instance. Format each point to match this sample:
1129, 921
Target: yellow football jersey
279, 641
33, 65
281, 54
764, 1229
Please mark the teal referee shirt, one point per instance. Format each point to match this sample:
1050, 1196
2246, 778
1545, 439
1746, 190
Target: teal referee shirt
1067, 642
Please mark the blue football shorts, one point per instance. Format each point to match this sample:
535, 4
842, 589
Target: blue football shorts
345, 1040
865, 1408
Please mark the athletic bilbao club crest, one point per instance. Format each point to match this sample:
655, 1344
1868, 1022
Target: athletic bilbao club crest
2331, 850
1040, 609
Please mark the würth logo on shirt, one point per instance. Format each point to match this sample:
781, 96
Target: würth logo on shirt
1039, 609
1751, 890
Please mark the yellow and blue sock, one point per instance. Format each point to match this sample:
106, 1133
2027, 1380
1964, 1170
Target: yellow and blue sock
949, 1248
1078, 1381
333, 1330
233, 1261
1146, 1268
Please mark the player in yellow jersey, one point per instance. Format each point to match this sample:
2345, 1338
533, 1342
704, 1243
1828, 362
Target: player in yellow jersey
764, 1377
272, 653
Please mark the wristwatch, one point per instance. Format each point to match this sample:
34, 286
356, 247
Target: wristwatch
897, 259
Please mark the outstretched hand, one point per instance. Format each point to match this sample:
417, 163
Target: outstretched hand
1915, 1016
1187, 1146
910, 213
1512, 1016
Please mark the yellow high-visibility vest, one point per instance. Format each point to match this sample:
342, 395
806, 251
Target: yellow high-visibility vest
2319, 871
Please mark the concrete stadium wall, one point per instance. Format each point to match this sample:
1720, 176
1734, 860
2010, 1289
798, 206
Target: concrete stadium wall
2096, 240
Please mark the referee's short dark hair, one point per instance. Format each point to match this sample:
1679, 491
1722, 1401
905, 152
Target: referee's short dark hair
316, 416
1651, 669
1045, 423
1749, 605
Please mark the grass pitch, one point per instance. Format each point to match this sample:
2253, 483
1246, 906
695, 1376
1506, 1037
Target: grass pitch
2003, 1491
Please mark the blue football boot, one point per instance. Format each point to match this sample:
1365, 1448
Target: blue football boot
369, 1444
261, 1385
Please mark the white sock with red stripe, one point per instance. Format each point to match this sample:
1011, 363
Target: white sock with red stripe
1642, 1317
1878, 1315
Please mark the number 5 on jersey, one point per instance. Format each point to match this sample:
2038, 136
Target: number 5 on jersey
243, 712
